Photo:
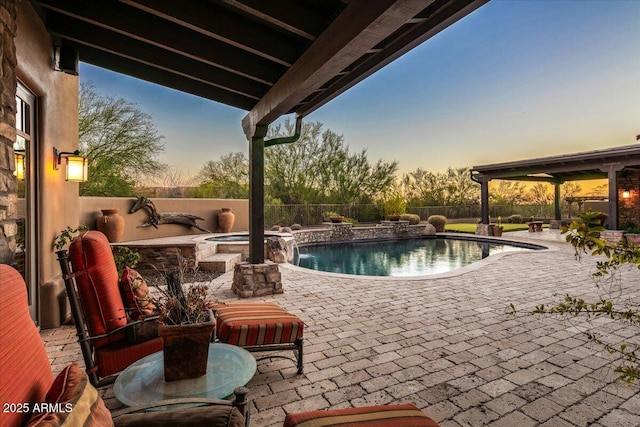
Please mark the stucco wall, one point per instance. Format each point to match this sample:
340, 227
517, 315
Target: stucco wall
57, 126
208, 209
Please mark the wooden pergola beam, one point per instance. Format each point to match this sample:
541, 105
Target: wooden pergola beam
359, 28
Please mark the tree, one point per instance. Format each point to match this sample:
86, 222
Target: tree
451, 188
318, 168
226, 178
540, 195
507, 193
120, 141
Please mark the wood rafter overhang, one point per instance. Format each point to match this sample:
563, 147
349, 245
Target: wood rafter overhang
441, 14
571, 167
361, 27
220, 24
266, 57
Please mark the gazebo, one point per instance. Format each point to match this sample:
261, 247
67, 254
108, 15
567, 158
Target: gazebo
620, 165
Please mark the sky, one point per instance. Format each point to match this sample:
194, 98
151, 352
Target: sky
514, 80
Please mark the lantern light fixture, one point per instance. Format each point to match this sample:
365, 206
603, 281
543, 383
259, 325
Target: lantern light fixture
626, 194
20, 156
76, 168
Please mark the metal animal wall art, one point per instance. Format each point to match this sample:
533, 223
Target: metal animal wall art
156, 218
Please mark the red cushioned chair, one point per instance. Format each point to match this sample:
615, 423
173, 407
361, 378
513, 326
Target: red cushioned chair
260, 327
405, 415
105, 334
31, 397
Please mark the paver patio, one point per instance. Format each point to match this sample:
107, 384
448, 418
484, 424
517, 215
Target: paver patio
446, 344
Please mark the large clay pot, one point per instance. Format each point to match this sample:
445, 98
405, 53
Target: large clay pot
111, 225
226, 219
186, 349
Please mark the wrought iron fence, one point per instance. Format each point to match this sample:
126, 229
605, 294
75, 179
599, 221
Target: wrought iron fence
312, 214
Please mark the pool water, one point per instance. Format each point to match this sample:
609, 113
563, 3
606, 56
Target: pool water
399, 258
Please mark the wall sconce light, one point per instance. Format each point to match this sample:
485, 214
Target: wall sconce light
626, 194
20, 156
76, 170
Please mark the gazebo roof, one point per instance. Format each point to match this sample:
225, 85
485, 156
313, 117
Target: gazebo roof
267, 57
570, 167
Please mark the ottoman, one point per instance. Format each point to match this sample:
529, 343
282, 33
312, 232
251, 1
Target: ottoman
259, 326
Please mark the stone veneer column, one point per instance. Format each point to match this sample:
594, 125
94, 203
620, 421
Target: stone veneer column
8, 183
255, 280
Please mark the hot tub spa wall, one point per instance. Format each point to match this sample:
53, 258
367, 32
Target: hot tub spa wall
208, 209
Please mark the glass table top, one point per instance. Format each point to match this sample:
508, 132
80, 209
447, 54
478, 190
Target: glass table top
143, 382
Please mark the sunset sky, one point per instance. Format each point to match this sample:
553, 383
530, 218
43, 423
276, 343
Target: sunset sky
513, 80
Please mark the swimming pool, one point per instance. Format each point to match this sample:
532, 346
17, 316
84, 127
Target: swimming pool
401, 258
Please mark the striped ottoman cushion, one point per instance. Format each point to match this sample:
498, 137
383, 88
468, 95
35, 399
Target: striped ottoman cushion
406, 415
249, 324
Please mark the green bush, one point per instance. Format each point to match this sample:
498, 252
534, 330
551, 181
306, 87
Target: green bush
412, 218
438, 221
296, 227
124, 257
515, 219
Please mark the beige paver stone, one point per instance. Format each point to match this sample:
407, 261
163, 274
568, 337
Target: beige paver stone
554, 381
620, 418
344, 394
276, 399
316, 388
497, 387
581, 414
505, 403
514, 419
313, 403
542, 409
469, 399
474, 417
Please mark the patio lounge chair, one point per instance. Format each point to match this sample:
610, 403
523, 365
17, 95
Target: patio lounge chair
30, 395
109, 340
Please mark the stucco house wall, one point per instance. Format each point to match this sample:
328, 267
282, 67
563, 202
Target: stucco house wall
56, 126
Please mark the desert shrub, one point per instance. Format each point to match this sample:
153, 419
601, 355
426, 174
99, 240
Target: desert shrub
515, 219
412, 218
124, 257
438, 221
296, 227
275, 228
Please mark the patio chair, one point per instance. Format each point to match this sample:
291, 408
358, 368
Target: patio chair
406, 415
258, 327
32, 396
109, 339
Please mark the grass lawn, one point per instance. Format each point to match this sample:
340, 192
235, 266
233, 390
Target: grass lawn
471, 228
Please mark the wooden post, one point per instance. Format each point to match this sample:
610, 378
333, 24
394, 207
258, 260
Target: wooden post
256, 195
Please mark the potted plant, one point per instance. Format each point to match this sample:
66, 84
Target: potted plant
632, 233
393, 205
333, 217
186, 326
497, 228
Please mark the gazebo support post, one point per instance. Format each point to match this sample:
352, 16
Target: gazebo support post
256, 195
612, 173
556, 201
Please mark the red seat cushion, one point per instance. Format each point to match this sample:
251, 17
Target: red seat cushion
97, 283
25, 372
115, 357
405, 415
248, 324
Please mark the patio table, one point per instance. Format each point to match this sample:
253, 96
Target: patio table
143, 382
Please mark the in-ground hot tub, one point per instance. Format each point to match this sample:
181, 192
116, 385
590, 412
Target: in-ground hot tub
239, 243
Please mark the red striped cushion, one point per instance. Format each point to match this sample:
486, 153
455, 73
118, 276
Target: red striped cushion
405, 415
73, 401
97, 281
25, 372
114, 358
248, 324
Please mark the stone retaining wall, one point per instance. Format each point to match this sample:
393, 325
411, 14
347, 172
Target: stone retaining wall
345, 232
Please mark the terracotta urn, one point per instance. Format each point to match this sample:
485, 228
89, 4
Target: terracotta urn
226, 219
111, 224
